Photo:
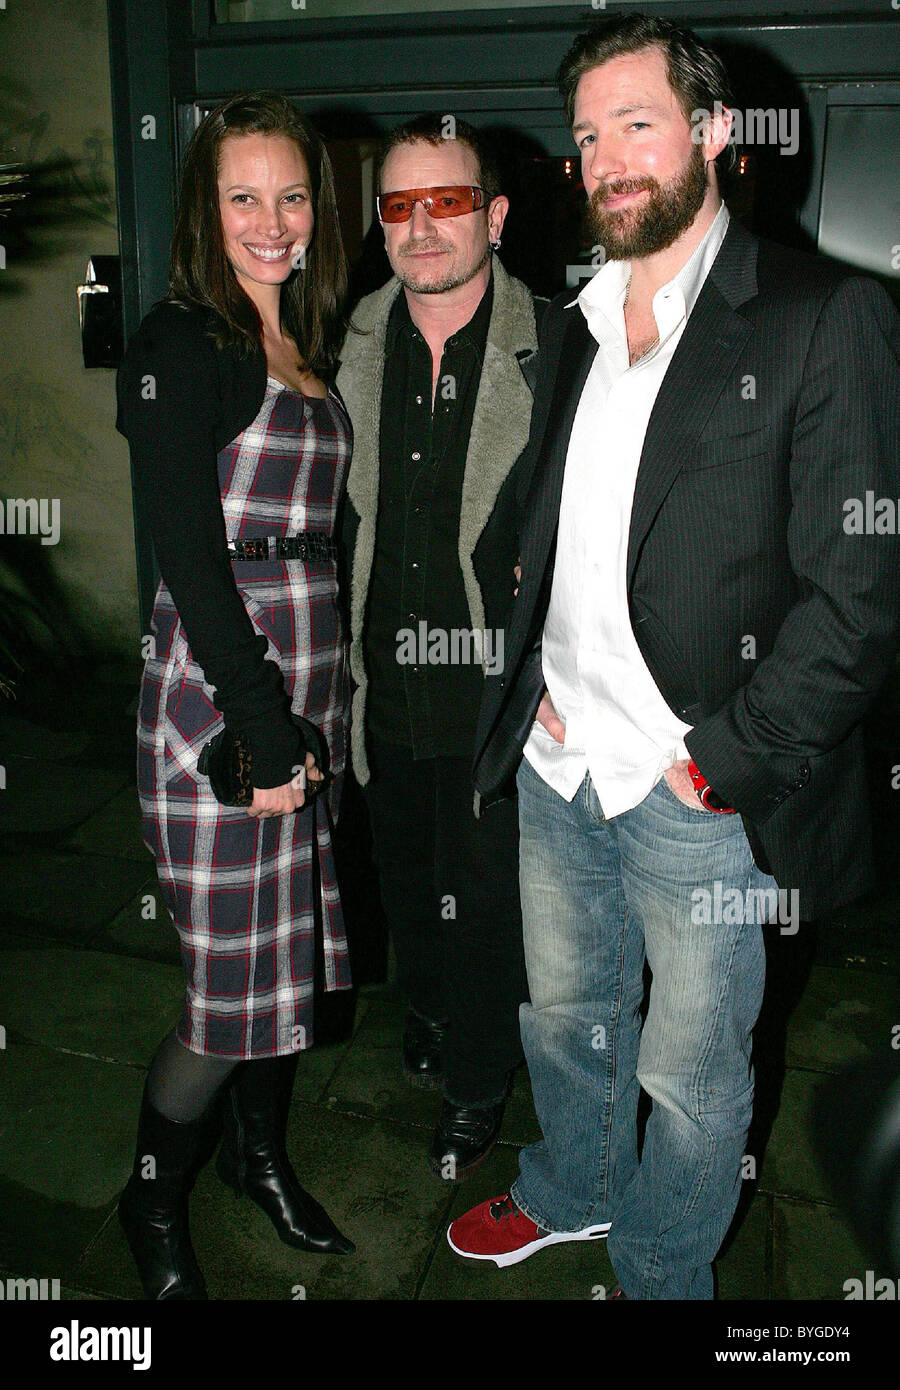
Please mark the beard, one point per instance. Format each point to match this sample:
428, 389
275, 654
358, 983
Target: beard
654, 224
436, 280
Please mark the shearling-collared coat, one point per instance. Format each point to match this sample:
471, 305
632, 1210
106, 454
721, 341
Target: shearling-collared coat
488, 540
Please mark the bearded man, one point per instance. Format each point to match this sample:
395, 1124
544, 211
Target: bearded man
695, 641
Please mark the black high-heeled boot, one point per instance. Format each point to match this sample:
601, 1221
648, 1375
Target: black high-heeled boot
253, 1160
153, 1209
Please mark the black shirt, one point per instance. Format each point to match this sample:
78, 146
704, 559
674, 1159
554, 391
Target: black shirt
425, 675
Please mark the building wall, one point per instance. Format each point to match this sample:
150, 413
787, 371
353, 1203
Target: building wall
57, 435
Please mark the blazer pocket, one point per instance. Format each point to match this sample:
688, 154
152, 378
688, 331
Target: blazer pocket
701, 454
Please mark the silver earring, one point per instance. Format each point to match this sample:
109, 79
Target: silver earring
495, 245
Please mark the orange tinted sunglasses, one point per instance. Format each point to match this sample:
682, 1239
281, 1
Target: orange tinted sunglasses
452, 201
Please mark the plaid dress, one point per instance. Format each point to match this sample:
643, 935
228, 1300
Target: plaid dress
244, 893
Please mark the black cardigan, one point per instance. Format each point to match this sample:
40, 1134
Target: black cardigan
181, 400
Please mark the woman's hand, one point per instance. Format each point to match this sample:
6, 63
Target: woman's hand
283, 801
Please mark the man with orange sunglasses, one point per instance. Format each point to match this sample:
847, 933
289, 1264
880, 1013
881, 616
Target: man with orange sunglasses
435, 377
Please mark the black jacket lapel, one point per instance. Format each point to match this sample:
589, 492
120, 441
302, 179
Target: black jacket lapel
576, 357
697, 374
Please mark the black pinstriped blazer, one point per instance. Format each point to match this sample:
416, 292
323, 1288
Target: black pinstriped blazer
781, 402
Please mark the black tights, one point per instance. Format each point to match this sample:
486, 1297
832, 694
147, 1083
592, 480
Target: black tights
181, 1084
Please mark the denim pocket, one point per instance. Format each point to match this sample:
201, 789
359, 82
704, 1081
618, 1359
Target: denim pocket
698, 810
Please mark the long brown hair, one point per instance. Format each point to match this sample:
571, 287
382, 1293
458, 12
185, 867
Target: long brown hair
201, 274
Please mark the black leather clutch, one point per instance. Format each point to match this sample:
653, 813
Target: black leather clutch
228, 763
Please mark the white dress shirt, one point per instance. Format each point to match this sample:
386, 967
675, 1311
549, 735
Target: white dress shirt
618, 726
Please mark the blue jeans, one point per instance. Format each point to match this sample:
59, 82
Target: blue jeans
597, 896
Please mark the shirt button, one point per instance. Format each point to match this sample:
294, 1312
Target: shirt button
415, 564
418, 400
416, 456
411, 617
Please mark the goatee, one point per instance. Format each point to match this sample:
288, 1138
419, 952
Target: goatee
443, 282
653, 225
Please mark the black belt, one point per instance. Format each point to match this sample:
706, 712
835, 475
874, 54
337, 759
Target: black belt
307, 545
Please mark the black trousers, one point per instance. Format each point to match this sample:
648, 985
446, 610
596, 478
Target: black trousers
450, 889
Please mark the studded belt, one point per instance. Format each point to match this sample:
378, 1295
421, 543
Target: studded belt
306, 545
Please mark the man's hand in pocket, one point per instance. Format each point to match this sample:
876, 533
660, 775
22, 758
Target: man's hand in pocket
551, 721
680, 783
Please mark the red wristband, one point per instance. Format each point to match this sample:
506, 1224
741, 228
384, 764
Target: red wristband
705, 792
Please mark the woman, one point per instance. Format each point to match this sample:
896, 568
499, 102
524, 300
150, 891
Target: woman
235, 437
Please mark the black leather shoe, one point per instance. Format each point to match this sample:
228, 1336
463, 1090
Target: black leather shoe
153, 1209
464, 1137
253, 1160
422, 1044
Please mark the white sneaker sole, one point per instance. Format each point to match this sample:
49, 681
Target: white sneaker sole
515, 1257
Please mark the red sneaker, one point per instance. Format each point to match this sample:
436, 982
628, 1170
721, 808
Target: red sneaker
497, 1230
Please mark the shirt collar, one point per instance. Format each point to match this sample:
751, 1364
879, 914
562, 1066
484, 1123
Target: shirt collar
604, 294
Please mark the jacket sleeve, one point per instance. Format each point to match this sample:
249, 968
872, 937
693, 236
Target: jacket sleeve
168, 398
833, 650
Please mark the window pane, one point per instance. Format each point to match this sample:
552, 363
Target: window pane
861, 188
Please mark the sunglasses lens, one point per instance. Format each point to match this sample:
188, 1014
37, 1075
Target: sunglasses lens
394, 207
438, 202
451, 202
